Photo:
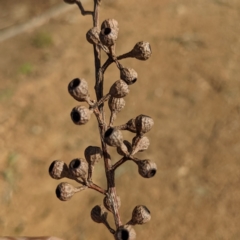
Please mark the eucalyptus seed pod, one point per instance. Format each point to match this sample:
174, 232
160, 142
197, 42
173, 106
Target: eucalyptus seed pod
113, 137
143, 124
78, 168
129, 148
109, 32
93, 154
65, 191
99, 214
146, 168
58, 169
140, 215
107, 204
139, 144
92, 35
142, 51
108, 36
125, 232
115, 106
80, 115
119, 89
78, 89
70, 1
110, 23
128, 75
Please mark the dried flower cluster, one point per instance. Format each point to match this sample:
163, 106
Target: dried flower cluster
104, 39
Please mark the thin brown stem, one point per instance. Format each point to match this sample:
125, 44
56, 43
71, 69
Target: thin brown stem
83, 12
97, 188
110, 60
119, 163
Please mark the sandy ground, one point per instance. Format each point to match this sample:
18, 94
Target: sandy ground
190, 87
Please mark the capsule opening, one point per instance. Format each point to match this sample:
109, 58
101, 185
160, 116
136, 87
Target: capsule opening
74, 83
75, 163
51, 167
58, 192
124, 234
107, 31
75, 116
146, 209
134, 80
108, 132
152, 173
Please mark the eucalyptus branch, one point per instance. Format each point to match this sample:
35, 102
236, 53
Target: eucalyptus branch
103, 38
83, 12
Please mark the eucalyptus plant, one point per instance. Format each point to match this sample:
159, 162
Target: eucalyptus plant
103, 38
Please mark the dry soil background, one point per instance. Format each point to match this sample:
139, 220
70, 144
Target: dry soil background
190, 86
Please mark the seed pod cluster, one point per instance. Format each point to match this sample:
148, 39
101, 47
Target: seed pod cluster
81, 170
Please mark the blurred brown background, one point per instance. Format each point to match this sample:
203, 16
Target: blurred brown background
190, 86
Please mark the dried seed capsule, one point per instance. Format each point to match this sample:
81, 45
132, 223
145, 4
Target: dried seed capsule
146, 168
78, 168
119, 89
108, 205
65, 191
58, 169
140, 215
143, 124
93, 35
109, 32
142, 51
108, 36
128, 145
78, 89
128, 75
93, 154
125, 232
110, 23
80, 115
99, 214
139, 144
115, 105
113, 137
